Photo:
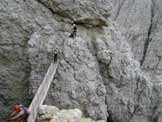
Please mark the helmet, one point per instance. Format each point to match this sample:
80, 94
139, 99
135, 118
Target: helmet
17, 108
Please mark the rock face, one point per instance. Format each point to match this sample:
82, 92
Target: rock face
111, 70
142, 22
53, 114
135, 17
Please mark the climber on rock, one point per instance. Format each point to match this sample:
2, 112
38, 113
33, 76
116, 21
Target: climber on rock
74, 32
55, 55
20, 113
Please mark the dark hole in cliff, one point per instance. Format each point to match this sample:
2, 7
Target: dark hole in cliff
110, 119
155, 119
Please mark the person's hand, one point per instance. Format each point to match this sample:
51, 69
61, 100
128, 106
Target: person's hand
13, 114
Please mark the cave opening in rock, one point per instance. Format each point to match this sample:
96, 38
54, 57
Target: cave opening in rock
109, 118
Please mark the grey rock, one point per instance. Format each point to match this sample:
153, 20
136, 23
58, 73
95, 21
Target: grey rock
135, 17
74, 9
140, 20
110, 70
53, 114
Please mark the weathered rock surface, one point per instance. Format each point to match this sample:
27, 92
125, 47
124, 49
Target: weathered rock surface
109, 71
135, 16
53, 114
142, 22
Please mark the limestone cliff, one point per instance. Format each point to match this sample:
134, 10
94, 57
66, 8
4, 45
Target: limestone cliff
111, 70
53, 114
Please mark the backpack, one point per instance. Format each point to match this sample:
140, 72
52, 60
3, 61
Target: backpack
26, 111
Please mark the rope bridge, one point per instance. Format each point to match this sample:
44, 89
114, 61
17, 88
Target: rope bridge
42, 91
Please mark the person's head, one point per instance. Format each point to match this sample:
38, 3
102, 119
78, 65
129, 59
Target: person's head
74, 24
17, 108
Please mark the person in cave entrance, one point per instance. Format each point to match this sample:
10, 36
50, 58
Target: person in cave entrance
55, 56
74, 32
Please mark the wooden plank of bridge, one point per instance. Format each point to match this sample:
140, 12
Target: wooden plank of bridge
42, 92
